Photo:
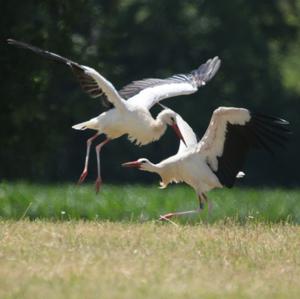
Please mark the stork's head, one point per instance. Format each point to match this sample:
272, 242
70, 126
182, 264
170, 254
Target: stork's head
142, 164
169, 117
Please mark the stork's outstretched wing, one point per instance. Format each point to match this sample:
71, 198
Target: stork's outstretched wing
90, 80
232, 132
148, 92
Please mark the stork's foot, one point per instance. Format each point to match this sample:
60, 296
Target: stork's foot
166, 216
82, 177
98, 184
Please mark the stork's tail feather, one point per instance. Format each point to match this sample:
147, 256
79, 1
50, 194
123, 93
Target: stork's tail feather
81, 126
90, 124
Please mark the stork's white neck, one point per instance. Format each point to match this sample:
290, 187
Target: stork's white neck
158, 127
163, 119
163, 168
151, 167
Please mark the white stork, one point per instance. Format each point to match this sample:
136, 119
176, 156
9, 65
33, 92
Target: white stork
128, 110
217, 159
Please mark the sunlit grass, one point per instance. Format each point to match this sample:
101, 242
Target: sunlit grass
98, 259
142, 203
69, 242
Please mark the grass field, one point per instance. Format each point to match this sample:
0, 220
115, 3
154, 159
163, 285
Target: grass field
143, 203
78, 259
82, 245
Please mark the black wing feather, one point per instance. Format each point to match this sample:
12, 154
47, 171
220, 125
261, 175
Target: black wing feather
90, 86
136, 87
260, 132
87, 83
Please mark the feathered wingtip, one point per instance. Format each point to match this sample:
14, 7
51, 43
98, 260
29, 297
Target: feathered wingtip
206, 71
270, 131
39, 51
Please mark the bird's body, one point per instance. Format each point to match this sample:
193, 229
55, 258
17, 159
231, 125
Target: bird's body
140, 127
129, 107
218, 158
191, 168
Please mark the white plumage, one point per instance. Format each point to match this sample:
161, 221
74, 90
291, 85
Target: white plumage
217, 159
129, 108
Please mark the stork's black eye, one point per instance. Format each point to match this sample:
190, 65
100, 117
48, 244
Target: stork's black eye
144, 161
172, 119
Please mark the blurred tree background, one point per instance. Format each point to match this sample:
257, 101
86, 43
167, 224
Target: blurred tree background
258, 42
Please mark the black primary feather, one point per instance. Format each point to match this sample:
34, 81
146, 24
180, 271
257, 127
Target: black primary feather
87, 83
260, 132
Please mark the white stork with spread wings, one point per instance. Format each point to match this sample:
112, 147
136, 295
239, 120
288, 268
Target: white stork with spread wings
128, 110
218, 158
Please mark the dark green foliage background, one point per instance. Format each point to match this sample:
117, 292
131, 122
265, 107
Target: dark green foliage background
258, 42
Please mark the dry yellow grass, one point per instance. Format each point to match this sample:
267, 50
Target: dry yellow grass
123, 260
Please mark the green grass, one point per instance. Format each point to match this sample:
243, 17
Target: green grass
142, 203
96, 259
68, 242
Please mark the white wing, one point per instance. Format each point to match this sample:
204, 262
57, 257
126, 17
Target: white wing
148, 92
230, 135
188, 134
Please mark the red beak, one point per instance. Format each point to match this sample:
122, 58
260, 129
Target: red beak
133, 164
178, 133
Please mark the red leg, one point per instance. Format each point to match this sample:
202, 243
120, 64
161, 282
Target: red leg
201, 198
170, 215
98, 149
88, 147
